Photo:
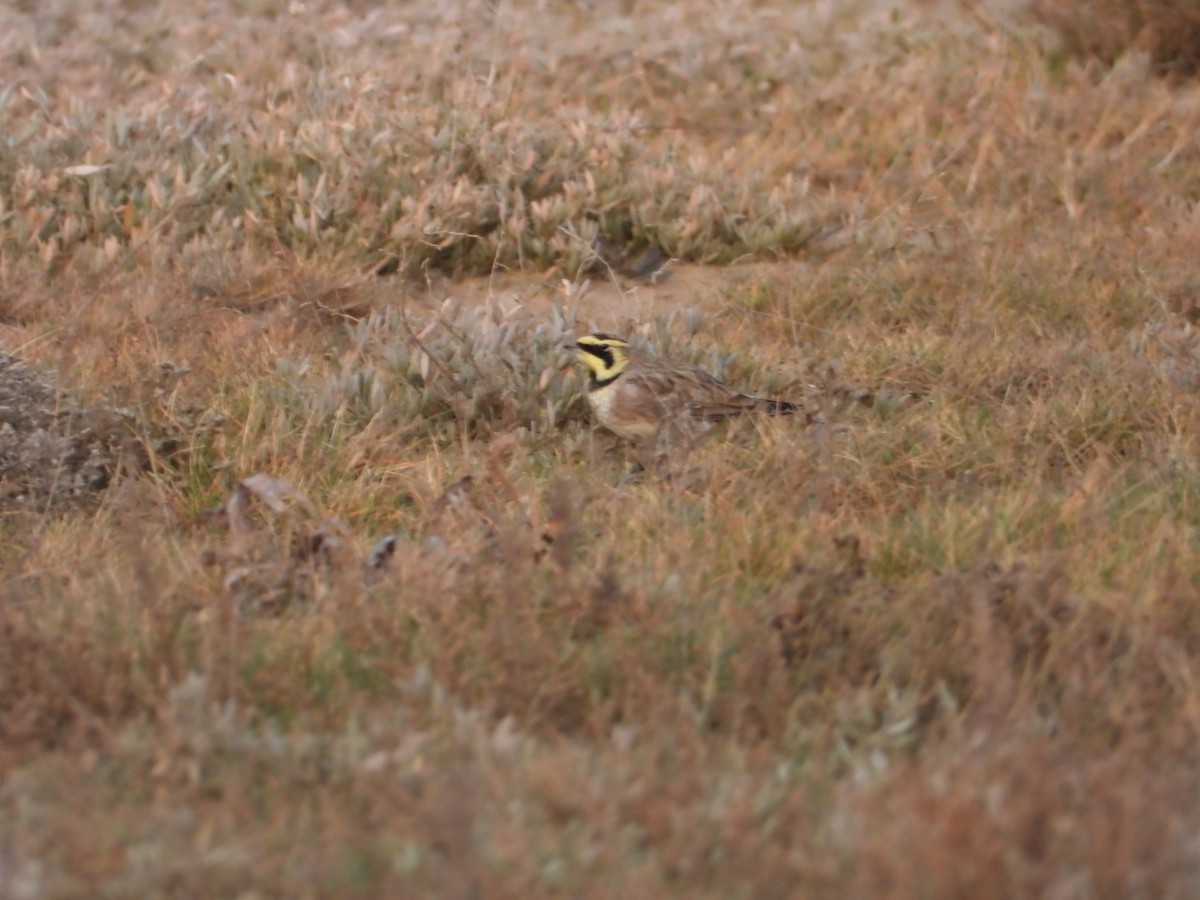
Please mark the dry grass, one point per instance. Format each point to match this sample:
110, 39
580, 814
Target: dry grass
1168, 31
317, 582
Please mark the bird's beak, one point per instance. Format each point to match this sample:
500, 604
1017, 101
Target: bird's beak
570, 346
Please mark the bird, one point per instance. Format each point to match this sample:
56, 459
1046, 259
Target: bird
640, 397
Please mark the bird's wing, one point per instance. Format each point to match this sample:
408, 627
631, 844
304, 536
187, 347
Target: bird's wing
649, 393
713, 401
737, 404
718, 409
653, 391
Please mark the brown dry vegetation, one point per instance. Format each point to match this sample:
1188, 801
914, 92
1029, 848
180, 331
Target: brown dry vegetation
945, 645
1166, 31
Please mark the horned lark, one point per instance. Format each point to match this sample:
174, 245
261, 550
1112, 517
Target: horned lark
639, 396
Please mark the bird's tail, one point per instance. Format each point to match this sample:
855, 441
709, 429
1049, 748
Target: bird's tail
778, 407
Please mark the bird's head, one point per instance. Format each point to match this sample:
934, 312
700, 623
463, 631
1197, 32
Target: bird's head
605, 356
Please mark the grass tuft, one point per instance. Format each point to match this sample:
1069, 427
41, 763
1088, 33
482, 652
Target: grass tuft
317, 577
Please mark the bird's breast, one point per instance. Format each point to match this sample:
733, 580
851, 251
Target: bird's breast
621, 413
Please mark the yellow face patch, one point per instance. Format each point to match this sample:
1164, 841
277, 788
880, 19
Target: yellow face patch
604, 355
